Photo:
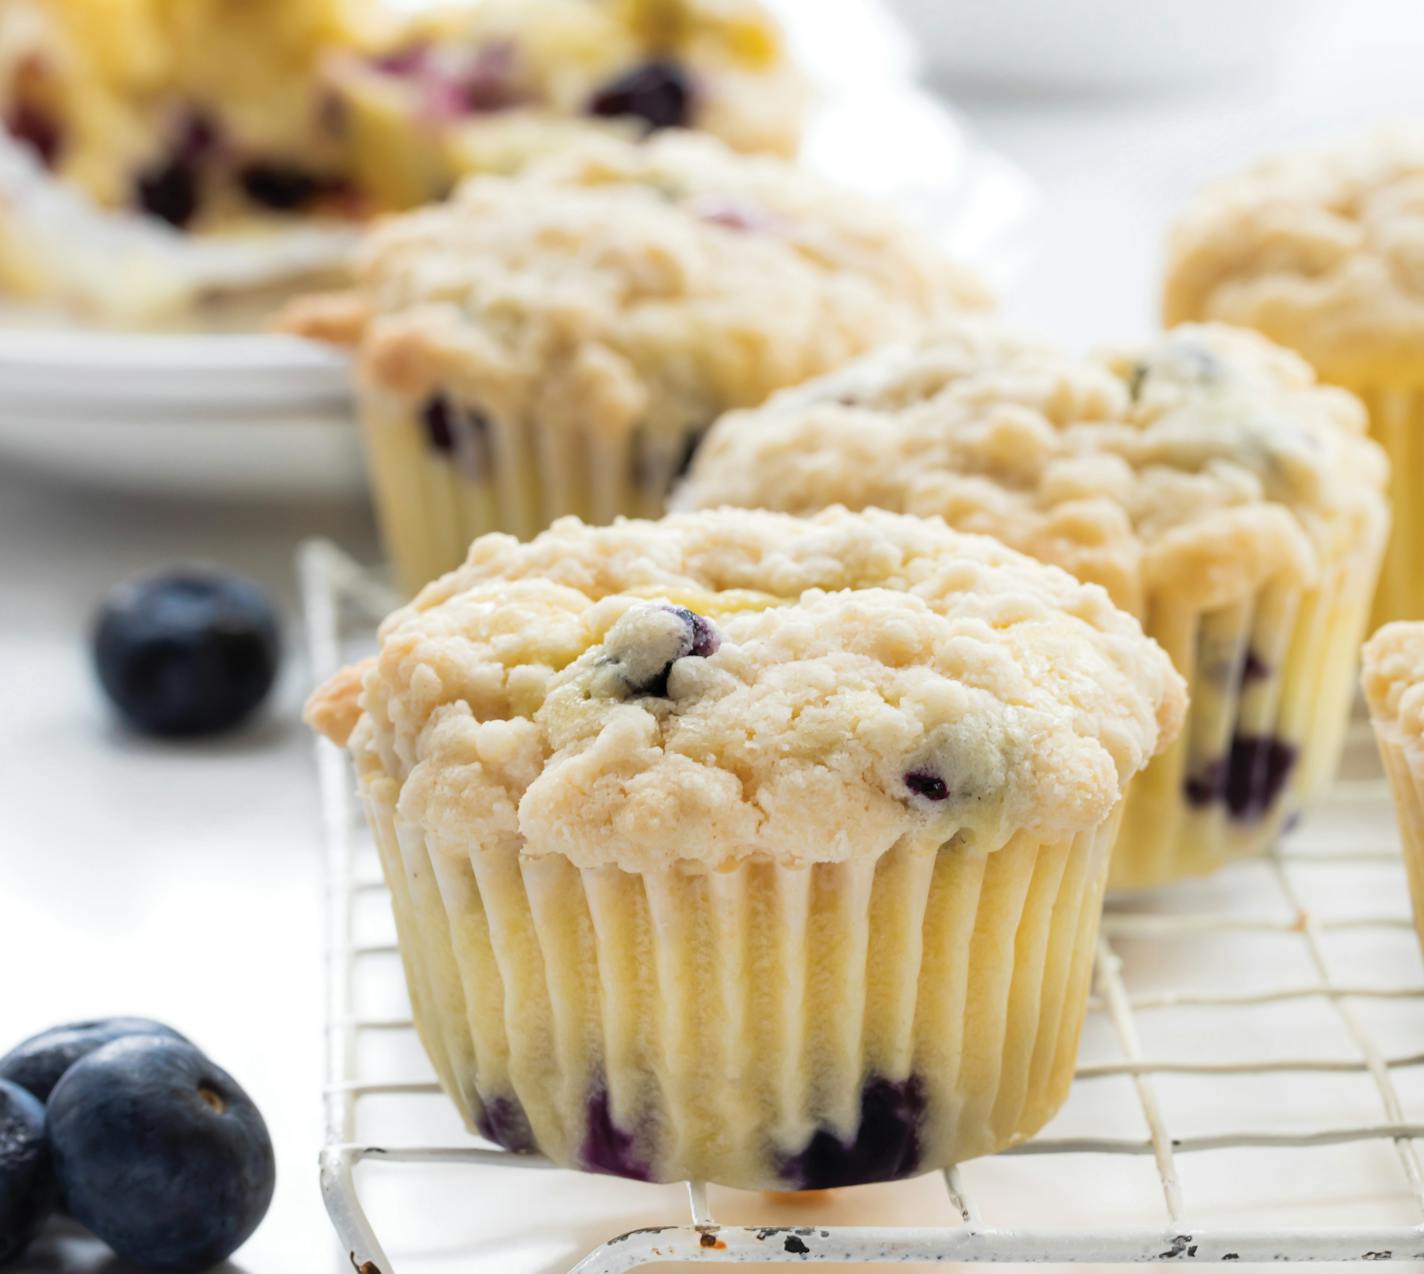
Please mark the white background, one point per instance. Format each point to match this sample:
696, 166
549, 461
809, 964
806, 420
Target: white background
183, 882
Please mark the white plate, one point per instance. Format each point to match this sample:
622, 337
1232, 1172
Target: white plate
262, 415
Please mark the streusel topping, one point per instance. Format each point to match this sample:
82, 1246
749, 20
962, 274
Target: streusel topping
1322, 251
1394, 677
649, 285
1208, 462
724, 685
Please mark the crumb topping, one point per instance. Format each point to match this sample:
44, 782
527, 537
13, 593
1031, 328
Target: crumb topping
1206, 463
1394, 678
628, 286
732, 684
1323, 251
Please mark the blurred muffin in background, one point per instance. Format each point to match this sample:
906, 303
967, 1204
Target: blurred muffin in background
1206, 481
556, 342
488, 87
1394, 689
1324, 252
211, 116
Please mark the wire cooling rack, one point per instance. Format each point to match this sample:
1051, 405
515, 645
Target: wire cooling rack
1251, 1085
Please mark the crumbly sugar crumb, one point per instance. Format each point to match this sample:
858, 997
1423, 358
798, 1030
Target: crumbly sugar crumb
727, 685
1204, 463
1322, 250
1394, 677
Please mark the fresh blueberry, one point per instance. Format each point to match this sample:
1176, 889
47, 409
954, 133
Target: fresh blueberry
657, 91
38, 1063
160, 1153
190, 653
27, 1192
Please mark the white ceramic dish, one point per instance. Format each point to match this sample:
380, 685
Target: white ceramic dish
1098, 45
261, 415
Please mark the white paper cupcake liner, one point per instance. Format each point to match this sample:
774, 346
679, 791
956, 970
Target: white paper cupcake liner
1271, 682
762, 1027
1403, 759
1397, 424
439, 486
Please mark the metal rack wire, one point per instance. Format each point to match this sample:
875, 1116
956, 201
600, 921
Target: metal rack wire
1276, 918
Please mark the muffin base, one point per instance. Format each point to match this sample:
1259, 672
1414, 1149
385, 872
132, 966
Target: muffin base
1271, 682
436, 490
1397, 424
1404, 766
763, 1027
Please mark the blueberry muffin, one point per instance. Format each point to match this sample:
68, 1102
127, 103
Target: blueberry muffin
1324, 252
555, 342
747, 848
488, 87
265, 116
1394, 689
1206, 481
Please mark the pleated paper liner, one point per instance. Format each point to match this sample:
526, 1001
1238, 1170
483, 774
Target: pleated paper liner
1403, 759
443, 474
1271, 682
1397, 424
762, 1027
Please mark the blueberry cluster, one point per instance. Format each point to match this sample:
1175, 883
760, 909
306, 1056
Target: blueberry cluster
149, 1144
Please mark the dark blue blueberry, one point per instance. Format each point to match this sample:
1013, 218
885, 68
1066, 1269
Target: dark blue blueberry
190, 653
886, 1145
705, 639
38, 1063
170, 190
37, 129
438, 417
27, 1189
607, 1147
504, 1122
160, 1153
283, 187
699, 640
1254, 668
1249, 780
458, 432
930, 786
658, 92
